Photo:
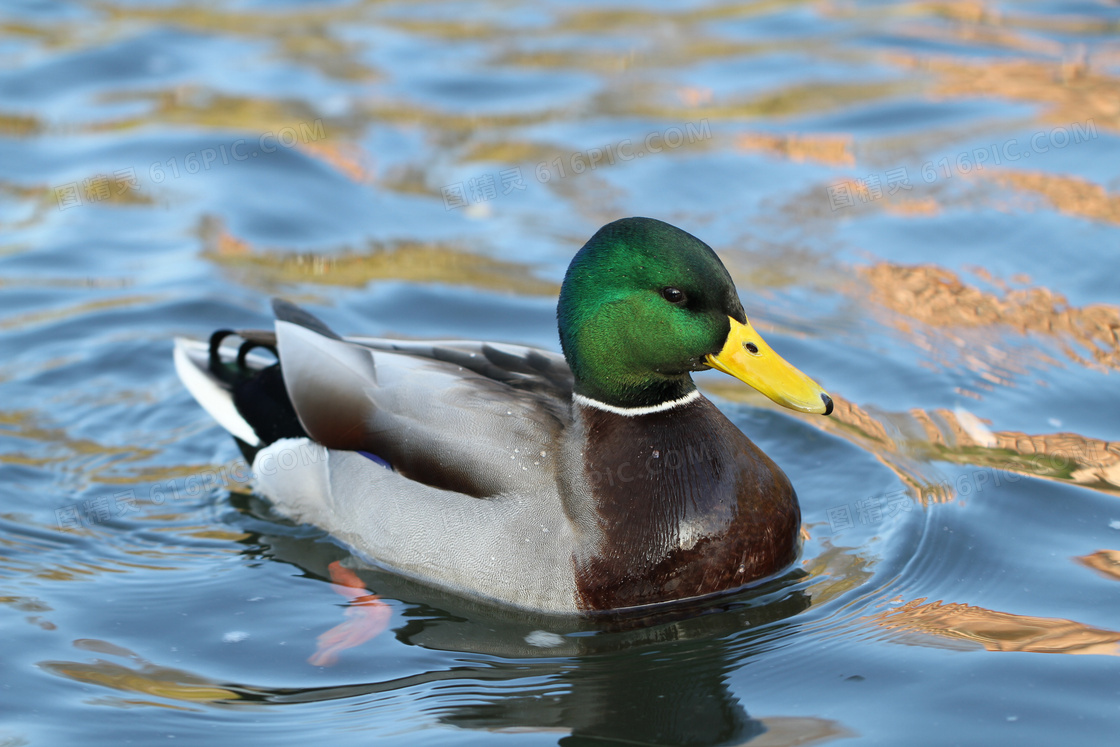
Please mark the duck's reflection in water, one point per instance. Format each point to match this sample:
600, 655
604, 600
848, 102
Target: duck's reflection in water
658, 678
661, 678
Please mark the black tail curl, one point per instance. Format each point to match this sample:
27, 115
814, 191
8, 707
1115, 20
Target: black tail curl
258, 392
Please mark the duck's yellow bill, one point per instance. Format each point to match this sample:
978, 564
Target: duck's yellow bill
747, 357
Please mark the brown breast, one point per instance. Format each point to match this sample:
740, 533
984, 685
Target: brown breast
679, 504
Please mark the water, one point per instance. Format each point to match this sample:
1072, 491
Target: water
919, 203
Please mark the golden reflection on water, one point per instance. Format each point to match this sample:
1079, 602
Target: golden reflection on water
59, 449
837, 570
1067, 194
907, 443
799, 731
31, 605
830, 150
1104, 562
301, 36
412, 261
143, 677
36, 318
346, 158
14, 125
937, 298
937, 623
1072, 92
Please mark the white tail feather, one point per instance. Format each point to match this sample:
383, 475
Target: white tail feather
213, 398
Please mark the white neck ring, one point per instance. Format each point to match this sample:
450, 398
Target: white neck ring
630, 412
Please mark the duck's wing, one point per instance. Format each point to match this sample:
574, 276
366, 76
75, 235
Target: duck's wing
477, 418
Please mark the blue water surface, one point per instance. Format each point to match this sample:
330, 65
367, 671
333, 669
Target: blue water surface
428, 170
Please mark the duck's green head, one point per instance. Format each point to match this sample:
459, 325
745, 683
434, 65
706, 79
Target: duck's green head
644, 304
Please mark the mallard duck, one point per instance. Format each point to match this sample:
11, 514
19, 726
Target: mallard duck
600, 480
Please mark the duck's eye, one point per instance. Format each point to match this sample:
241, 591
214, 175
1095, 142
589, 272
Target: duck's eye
673, 295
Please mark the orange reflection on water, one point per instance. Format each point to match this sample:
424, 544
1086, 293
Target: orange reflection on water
908, 443
349, 159
937, 298
997, 631
1105, 562
143, 678
831, 150
413, 261
1066, 194
1071, 90
799, 731
924, 207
